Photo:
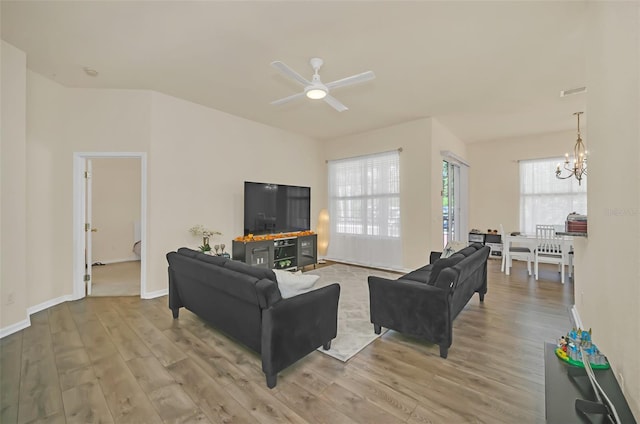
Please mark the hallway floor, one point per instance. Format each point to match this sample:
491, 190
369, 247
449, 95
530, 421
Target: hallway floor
118, 279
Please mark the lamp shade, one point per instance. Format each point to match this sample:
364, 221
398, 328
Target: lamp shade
323, 232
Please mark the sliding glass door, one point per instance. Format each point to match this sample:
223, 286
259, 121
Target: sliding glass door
454, 202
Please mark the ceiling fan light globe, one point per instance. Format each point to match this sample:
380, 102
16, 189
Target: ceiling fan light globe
316, 93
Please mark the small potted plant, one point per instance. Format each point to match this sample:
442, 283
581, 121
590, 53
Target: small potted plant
205, 233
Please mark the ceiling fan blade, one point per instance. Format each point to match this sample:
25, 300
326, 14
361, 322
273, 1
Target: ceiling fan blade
287, 99
290, 73
355, 79
335, 103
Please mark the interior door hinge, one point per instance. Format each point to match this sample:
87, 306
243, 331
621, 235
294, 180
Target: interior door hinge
87, 174
87, 277
87, 226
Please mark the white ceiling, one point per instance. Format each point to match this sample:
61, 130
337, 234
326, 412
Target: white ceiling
484, 69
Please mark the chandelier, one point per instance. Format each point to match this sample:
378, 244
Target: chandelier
579, 166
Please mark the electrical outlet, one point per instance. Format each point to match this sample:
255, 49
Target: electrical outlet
11, 298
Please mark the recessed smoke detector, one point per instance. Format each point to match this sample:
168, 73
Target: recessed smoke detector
90, 71
571, 92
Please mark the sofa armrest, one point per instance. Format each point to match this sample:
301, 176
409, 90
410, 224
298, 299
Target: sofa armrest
298, 325
411, 307
434, 256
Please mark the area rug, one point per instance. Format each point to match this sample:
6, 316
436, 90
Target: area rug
355, 330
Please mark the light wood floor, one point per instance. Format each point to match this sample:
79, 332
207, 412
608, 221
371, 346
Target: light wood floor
123, 359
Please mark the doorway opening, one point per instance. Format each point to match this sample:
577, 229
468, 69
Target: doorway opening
109, 224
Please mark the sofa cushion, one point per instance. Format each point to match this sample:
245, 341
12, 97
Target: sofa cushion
448, 278
259, 273
216, 260
421, 275
469, 250
292, 284
188, 252
441, 264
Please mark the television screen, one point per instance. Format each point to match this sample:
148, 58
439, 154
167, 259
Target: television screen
276, 208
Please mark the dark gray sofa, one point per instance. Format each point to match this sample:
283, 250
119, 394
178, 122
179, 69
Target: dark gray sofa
424, 302
245, 303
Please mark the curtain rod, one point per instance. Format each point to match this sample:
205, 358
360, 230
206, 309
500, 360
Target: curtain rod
561, 157
399, 150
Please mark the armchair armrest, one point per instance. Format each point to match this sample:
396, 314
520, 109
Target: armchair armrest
296, 326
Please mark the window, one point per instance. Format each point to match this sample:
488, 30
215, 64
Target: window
364, 209
544, 199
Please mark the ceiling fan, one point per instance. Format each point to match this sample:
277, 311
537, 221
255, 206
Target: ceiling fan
315, 89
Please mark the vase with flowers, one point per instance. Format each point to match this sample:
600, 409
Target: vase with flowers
206, 234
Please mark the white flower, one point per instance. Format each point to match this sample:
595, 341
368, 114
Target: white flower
199, 230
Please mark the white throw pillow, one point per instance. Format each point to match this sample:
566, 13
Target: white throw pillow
452, 247
292, 284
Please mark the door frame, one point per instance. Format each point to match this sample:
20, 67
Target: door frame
79, 217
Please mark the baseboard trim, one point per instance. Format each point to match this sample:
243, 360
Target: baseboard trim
21, 325
14, 328
154, 294
48, 304
117, 261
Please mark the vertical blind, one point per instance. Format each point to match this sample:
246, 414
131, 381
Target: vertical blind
544, 199
364, 209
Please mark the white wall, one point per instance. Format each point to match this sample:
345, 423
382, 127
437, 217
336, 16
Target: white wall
13, 223
494, 176
115, 208
608, 262
62, 121
198, 162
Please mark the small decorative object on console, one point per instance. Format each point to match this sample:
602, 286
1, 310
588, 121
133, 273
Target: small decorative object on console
200, 230
569, 349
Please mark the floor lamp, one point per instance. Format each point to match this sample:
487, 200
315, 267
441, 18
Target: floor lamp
323, 234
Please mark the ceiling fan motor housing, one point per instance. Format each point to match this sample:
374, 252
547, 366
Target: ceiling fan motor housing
316, 63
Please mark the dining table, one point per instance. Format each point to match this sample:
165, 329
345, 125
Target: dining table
530, 241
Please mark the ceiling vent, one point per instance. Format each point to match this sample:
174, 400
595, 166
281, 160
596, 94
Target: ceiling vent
571, 92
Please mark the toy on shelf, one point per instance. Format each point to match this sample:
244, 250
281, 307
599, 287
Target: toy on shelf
569, 349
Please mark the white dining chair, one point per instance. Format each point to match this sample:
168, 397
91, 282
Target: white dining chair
549, 249
518, 253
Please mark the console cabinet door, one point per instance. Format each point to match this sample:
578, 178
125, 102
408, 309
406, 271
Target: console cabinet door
257, 253
260, 254
307, 250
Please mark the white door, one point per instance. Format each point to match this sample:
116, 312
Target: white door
88, 230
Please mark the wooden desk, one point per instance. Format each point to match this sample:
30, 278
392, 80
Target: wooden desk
530, 241
561, 392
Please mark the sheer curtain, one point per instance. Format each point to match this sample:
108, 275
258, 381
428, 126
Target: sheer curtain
544, 199
364, 209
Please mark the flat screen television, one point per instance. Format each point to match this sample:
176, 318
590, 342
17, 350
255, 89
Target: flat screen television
276, 208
